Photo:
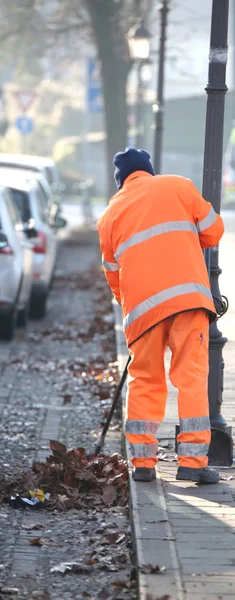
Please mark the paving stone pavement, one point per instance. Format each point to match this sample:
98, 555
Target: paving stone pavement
35, 377
188, 529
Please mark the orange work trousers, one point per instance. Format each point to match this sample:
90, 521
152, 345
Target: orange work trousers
187, 336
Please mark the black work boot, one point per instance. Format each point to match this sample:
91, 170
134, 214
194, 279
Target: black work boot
198, 475
144, 474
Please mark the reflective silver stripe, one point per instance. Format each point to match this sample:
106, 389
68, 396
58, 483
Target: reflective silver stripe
136, 427
208, 221
147, 234
110, 266
188, 449
143, 450
195, 424
168, 294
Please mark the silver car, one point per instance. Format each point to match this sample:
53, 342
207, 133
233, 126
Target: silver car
16, 267
32, 202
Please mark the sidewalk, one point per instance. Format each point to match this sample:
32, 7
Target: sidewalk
187, 529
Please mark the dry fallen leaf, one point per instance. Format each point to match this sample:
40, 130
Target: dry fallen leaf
67, 398
163, 521
165, 597
147, 569
70, 567
32, 526
108, 595
121, 583
57, 447
113, 538
109, 494
35, 542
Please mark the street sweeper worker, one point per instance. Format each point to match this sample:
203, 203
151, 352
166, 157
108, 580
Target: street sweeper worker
151, 236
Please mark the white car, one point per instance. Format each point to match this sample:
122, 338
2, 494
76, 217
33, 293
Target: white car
16, 267
38, 164
32, 202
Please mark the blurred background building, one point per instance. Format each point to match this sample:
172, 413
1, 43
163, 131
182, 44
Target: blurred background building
50, 75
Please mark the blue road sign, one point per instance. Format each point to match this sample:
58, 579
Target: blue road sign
24, 124
94, 91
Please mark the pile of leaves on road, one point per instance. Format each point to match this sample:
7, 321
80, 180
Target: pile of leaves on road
74, 479
102, 321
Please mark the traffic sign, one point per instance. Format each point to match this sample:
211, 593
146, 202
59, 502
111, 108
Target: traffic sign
25, 99
24, 124
95, 91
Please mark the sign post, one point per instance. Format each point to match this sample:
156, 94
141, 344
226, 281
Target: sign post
94, 88
24, 124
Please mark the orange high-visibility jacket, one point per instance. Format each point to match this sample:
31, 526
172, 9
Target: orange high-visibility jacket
151, 238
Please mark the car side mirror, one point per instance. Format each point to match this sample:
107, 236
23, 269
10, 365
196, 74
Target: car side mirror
3, 240
59, 222
29, 229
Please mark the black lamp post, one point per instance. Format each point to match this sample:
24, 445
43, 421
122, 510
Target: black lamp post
164, 8
139, 46
211, 190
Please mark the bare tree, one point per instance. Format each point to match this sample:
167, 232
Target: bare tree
108, 21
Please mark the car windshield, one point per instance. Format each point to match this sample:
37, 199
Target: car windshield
49, 175
22, 202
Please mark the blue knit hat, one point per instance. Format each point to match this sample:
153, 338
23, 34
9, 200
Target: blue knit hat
130, 161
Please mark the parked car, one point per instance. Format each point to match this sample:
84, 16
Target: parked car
32, 202
16, 267
53, 207
41, 166
38, 164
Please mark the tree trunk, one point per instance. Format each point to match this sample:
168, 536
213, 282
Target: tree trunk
114, 85
114, 56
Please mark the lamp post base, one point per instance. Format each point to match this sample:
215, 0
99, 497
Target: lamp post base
220, 452
216, 378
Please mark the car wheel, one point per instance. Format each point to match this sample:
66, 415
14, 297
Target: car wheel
38, 305
23, 316
7, 326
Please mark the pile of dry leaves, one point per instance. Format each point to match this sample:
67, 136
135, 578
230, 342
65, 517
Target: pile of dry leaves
75, 479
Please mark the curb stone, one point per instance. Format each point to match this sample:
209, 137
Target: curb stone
152, 532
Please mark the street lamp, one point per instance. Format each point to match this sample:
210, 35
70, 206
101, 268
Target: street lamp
139, 42
159, 109
211, 189
139, 46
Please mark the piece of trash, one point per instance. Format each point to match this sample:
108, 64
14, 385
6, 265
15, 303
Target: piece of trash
36, 500
225, 478
154, 570
39, 494
162, 456
19, 502
70, 567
